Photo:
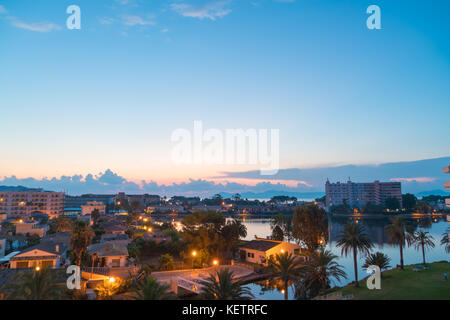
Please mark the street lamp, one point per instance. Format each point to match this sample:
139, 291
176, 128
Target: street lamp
194, 253
111, 280
37, 268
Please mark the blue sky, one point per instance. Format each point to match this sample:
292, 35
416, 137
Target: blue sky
109, 95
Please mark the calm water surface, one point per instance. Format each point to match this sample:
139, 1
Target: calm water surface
374, 227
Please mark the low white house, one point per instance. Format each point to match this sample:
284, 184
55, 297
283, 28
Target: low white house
260, 250
31, 227
112, 254
51, 252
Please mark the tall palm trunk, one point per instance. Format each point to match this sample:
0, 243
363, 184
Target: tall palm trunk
401, 256
285, 290
423, 252
355, 262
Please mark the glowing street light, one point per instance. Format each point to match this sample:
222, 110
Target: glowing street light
37, 268
215, 262
282, 250
194, 253
112, 280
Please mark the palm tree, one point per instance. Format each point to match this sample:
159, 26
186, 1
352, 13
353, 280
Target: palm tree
319, 274
446, 240
422, 240
231, 233
353, 238
34, 285
287, 268
95, 214
81, 238
377, 259
222, 287
150, 289
399, 234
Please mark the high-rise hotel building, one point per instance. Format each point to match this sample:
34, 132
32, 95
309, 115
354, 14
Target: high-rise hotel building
359, 194
21, 204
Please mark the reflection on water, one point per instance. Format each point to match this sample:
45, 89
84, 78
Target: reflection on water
374, 227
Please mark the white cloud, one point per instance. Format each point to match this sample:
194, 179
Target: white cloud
210, 10
107, 20
3, 10
133, 20
35, 26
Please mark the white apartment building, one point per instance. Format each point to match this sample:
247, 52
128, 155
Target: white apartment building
30, 227
359, 194
91, 206
21, 204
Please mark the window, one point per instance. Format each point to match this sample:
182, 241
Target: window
47, 263
116, 262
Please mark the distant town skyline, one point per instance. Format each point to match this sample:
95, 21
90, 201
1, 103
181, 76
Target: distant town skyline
78, 102
424, 176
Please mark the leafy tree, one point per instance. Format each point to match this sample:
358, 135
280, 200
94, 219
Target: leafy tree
377, 259
34, 285
318, 274
409, 201
222, 287
422, 240
287, 268
310, 226
81, 238
60, 224
354, 239
372, 208
392, 203
166, 262
341, 209
423, 207
201, 230
399, 234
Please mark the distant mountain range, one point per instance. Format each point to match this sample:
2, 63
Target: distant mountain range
272, 193
18, 189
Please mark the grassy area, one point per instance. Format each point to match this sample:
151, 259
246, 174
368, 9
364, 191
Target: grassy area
407, 284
